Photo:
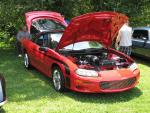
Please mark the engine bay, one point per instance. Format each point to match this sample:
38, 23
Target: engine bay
96, 59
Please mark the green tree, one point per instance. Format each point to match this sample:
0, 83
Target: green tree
12, 11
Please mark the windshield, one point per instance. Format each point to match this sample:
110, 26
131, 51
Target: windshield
47, 25
84, 45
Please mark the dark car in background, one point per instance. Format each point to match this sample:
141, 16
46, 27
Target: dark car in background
141, 41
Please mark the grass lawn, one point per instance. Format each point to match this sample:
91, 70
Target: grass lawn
28, 91
142, 51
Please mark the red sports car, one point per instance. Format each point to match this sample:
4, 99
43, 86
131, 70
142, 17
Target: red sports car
78, 56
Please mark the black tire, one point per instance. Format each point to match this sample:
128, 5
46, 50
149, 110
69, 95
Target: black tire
58, 79
27, 61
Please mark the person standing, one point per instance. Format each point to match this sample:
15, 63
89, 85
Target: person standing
124, 39
23, 33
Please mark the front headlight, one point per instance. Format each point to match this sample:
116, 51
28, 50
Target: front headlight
85, 72
133, 66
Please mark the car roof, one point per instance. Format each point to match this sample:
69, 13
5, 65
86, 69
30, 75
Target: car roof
142, 28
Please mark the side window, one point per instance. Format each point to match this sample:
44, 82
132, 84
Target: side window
140, 34
33, 30
49, 40
52, 41
33, 33
42, 40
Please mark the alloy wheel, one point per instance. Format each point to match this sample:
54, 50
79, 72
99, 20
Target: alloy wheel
57, 79
26, 60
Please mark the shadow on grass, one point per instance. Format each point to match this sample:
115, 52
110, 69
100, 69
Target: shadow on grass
28, 85
2, 110
106, 97
22, 84
87, 97
142, 61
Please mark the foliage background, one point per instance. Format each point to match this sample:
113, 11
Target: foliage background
12, 11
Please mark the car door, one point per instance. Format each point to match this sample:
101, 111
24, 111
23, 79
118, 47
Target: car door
45, 53
147, 45
39, 54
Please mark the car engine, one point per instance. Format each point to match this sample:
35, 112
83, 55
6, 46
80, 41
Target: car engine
96, 60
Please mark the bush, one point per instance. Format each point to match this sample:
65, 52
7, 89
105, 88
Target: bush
12, 11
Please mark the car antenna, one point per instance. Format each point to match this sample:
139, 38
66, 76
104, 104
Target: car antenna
75, 39
73, 47
74, 42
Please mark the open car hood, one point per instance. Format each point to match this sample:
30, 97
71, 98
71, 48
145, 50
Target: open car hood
99, 26
36, 15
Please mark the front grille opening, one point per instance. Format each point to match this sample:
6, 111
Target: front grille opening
118, 84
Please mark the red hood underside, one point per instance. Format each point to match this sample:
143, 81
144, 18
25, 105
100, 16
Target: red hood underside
99, 26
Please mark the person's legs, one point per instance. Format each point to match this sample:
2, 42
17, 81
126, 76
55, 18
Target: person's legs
129, 51
126, 50
122, 49
19, 48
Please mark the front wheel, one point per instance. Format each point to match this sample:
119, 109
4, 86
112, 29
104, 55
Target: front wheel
58, 79
26, 61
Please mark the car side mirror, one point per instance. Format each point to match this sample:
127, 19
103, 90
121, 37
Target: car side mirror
45, 49
144, 38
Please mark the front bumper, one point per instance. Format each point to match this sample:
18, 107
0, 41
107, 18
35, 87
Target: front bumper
93, 84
